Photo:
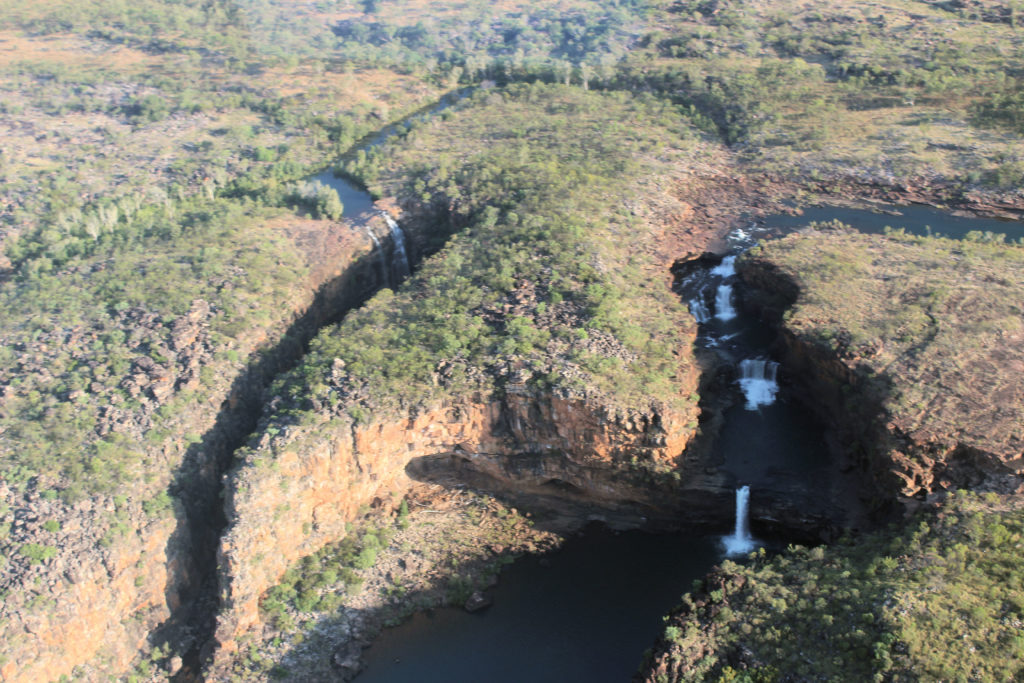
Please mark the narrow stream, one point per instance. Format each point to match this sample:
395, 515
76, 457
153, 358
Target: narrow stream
357, 202
588, 612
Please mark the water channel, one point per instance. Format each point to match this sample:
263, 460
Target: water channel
357, 202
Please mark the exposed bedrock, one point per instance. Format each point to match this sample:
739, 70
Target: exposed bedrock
294, 493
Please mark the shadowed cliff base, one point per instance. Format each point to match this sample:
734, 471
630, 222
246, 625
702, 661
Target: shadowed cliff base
198, 483
562, 495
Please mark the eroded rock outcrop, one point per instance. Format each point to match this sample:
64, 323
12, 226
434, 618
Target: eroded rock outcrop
295, 493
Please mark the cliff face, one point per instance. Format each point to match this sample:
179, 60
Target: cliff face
295, 493
910, 347
128, 564
96, 601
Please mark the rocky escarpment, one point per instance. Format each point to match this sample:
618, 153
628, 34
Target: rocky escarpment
909, 346
298, 489
100, 574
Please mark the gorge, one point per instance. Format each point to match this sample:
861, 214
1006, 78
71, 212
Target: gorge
377, 341
435, 641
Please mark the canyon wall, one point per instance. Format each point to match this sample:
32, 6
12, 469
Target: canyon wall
912, 357
126, 567
296, 491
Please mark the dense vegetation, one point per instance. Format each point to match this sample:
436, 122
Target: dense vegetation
938, 598
79, 324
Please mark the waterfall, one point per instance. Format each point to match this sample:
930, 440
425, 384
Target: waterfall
400, 259
727, 268
699, 310
757, 381
385, 279
741, 542
723, 304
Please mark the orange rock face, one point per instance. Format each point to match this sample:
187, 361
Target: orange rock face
296, 494
131, 582
95, 605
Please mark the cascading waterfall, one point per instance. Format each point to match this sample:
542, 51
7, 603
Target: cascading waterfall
727, 268
741, 542
723, 298
699, 309
723, 303
400, 260
757, 381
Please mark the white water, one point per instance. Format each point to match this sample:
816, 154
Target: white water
741, 542
723, 303
699, 310
757, 381
400, 261
727, 268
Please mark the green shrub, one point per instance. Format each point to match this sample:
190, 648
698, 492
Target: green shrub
37, 553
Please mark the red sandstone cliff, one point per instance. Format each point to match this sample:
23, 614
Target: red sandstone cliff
122, 570
296, 492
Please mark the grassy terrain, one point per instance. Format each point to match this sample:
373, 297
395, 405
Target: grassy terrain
939, 598
546, 276
892, 92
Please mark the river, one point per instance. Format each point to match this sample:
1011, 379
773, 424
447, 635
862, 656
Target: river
357, 202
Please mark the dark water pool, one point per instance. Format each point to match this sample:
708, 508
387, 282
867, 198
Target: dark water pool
587, 616
357, 201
